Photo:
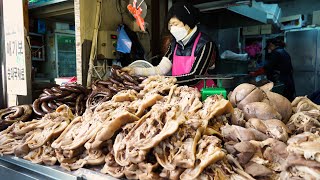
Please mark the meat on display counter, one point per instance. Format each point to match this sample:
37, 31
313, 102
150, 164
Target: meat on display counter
15, 168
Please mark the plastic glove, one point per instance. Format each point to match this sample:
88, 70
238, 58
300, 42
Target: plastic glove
128, 70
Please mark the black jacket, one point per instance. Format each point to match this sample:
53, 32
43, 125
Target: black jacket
204, 54
278, 66
279, 69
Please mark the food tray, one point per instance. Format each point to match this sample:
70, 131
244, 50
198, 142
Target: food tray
16, 168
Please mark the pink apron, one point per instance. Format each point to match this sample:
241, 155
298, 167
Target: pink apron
183, 64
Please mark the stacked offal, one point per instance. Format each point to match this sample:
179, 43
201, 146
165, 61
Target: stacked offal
165, 131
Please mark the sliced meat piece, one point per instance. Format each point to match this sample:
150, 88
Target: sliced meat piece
302, 103
238, 134
238, 117
111, 167
143, 104
117, 119
244, 157
187, 98
161, 122
21, 128
34, 155
297, 160
179, 150
244, 147
302, 122
73, 153
171, 174
157, 84
21, 150
306, 144
61, 159
229, 146
257, 95
261, 111
275, 152
49, 160
244, 151
273, 128
79, 136
125, 95
256, 124
209, 152
66, 137
257, 170
277, 129
46, 134
281, 104
241, 92
48, 156
215, 106
298, 167
89, 157
141, 171
119, 145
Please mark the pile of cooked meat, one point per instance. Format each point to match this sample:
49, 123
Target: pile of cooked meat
32, 140
104, 90
165, 131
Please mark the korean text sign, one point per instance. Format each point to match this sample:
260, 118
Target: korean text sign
15, 47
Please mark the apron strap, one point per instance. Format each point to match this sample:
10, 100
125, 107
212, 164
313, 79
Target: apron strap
194, 45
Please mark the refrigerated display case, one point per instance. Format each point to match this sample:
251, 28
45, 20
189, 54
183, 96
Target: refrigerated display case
303, 47
61, 55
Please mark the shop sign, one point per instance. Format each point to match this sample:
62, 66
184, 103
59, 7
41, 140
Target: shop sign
15, 47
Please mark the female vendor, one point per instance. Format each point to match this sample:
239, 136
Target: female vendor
191, 52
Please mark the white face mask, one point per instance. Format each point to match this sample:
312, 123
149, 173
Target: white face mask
178, 32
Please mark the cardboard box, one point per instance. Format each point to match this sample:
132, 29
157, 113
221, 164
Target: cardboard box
266, 29
293, 22
316, 17
251, 30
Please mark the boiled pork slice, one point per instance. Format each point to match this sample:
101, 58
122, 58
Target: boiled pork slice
157, 85
304, 121
119, 145
238, 134
125, 95
187, 98
161, 122
297, 167
209, 151
111, 167
179, 150
141, 170
171, 174
89, 157
305, 144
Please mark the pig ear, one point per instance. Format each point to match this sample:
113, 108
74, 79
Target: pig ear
267, 87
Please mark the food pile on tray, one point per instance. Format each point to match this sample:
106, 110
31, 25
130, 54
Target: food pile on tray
156, 129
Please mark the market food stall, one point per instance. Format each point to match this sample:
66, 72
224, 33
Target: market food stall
125, 126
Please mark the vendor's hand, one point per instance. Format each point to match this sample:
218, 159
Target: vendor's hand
128, 70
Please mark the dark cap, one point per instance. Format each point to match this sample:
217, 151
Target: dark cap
185, 12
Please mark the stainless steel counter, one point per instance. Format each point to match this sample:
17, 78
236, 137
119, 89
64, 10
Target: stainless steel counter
13, 168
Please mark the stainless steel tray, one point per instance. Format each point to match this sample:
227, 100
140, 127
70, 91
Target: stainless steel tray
14, 168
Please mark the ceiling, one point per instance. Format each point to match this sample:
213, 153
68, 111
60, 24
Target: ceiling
61, 11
